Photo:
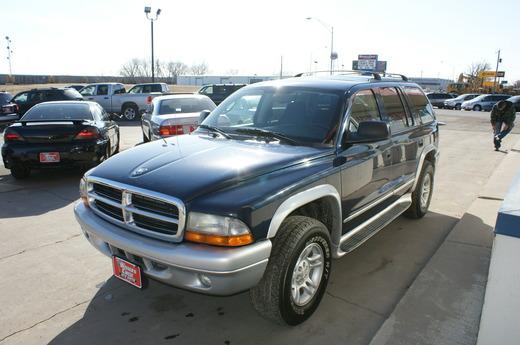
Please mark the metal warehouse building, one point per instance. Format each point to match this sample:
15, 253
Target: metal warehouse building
221, 79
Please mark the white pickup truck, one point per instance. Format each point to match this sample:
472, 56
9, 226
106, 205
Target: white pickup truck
115, 99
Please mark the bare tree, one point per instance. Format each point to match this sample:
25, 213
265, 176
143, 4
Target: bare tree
130, 69
176, 68
517, 84
199, 69
474, 72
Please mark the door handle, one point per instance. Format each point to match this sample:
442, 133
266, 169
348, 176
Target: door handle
105, 97
421, 143
90, 98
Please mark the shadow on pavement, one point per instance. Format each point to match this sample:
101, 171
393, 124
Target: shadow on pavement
364, 288
44, 191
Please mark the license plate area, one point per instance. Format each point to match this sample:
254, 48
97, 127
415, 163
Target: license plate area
49, 157
127, 271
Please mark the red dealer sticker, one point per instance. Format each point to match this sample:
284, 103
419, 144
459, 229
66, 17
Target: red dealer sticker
127, 271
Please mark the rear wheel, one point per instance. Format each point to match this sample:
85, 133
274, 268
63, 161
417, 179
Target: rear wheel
477, 108
297, 273
130, 112
422, 194
20, 171
458, 106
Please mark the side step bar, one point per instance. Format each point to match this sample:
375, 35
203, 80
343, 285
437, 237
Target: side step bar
357, 236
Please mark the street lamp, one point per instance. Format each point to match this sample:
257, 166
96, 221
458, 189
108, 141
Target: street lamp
152, 18
330, 28
9, 51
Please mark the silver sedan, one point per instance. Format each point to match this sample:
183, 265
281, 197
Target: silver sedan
174, 115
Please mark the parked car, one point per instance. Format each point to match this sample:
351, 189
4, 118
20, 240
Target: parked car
456, 103
57, 134
8, 110
219, 92
516, 102
114, 98
437, 98
264, 199
76, 87
483, 102
27, 99
174, 115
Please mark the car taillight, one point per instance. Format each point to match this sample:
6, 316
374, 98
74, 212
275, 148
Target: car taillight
11, 135
149, 100
168, 130
88, 133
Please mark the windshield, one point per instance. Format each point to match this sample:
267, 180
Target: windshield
304, 115
72, 111
185, 105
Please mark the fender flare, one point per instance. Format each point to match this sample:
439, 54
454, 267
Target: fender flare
297, 200
426, 150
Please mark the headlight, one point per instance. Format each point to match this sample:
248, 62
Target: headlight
83, 191
217, 230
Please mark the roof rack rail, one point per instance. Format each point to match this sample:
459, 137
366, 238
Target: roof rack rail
375, 75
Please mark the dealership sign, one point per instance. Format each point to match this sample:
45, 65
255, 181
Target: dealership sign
369, 62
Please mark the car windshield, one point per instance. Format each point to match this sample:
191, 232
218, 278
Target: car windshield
184, 105
49, 111
5, 98
304, 115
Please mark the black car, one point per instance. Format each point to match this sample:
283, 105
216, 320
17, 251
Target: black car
219, 92
8, 110
26, 99
278, 180
437, 98
56, 134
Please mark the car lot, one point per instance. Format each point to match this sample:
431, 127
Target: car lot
58, 289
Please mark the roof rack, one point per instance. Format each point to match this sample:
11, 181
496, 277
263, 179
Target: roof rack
375, 75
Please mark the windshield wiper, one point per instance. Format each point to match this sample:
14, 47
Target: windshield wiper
215, 130
267, 134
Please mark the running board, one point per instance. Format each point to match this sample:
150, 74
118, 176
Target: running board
369, 228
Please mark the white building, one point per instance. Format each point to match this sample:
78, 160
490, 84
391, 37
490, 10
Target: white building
432, 84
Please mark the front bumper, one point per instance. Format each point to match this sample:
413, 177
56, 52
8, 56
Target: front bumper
183, 265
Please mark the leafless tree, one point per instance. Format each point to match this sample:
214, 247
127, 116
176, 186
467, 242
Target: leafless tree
176, 68
474, 71
199, 69
130, 69
517, 84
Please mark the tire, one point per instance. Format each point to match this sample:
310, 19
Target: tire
477, 107
420, 205
273, 296
130, 112
458, 106
20, 172
116, 151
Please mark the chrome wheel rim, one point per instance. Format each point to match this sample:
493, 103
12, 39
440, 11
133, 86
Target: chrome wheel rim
129, 113
426, 190
307, 274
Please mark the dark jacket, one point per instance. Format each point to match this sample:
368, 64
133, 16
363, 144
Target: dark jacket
506, 114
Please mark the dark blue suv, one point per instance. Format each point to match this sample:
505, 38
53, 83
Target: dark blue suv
278, 180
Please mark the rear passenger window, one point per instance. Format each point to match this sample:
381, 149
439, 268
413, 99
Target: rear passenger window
102, 90
419, 104
394, 112
364, 108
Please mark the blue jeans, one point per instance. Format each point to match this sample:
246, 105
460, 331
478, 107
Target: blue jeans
499, 134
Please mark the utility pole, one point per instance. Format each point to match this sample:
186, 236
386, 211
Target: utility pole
281, 66
499, 60
9, 51
331, 49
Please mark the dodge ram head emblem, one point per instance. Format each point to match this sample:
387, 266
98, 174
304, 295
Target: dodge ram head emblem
139, 172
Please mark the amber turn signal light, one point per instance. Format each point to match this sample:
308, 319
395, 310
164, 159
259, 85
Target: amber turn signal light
218, 240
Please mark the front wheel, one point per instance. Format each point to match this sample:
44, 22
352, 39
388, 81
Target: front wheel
297, 273
477, 108
458, 106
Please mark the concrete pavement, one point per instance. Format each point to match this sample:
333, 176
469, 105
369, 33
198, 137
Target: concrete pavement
58, 289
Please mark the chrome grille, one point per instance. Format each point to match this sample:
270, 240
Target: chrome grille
148, 213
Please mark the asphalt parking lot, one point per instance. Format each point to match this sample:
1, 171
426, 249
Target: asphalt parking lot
57, 289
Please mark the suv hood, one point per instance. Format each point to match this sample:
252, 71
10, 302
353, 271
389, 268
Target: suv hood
187, 166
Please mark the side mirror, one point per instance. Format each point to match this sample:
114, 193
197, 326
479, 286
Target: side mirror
203, 115
369, 131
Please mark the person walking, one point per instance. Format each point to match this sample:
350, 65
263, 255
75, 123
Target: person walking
502, 120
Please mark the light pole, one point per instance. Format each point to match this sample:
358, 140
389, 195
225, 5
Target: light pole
330, 29
9, 51
152, 18
499, 60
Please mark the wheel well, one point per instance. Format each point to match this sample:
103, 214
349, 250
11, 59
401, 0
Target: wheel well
129, 104
430, 156
320, 209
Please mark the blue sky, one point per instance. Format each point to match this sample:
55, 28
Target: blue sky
438, 38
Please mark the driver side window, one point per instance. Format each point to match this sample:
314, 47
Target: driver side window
364, 108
